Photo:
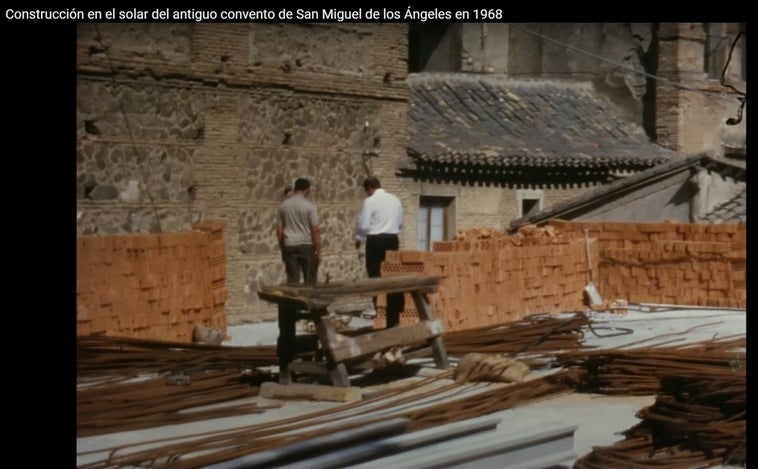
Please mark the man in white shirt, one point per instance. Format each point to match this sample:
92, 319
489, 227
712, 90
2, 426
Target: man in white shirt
379, 224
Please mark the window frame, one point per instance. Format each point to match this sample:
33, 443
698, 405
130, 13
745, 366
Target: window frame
426, 203
529, 194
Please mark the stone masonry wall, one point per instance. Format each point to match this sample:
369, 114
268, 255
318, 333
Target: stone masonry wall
180, 123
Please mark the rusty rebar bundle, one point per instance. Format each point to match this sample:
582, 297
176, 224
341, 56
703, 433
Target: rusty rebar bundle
203, 449
122, 382
127, 358
537, 334
638, 371
697, 421
712, 373
154, 402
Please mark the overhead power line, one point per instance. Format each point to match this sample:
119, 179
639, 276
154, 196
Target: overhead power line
622, 65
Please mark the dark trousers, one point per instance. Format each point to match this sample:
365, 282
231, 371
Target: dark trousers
376, 248
300, 259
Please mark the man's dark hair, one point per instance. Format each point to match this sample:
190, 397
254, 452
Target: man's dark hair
371, 182
302, 184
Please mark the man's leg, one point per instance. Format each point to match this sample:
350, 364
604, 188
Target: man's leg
285, 343
291, 264
395, 301
374, 258
310, 265
376, 249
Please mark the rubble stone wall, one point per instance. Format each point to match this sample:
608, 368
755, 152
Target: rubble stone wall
182, 123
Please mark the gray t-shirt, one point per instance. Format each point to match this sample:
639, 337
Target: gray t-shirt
297, 214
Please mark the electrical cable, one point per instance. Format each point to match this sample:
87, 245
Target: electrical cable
99, 38
621, 65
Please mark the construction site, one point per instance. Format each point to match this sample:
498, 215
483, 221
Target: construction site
528, 343
572, 256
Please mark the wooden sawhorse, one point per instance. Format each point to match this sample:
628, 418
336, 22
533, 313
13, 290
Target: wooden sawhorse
311, 302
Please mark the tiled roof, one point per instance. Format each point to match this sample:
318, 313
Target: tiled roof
731, 211
458, 118
576, 205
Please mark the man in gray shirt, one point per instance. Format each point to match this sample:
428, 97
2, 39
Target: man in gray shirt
298, 233
299, 238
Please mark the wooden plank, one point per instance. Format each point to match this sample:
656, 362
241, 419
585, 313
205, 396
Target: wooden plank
350, 347
424, 310
409, 353
326, 293
275, 295
383, 284
314, 392
417, 353
413, 280
308, 367
327, 335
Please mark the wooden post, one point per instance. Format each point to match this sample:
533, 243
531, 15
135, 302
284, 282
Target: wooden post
327, 335
424, 309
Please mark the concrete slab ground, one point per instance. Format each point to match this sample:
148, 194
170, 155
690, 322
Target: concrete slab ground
600, 419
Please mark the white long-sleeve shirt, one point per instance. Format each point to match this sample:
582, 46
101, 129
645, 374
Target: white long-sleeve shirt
381, 213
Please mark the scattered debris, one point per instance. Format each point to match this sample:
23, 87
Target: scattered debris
389, 357
177, 379
479, 233
341, 323
314, 392
490, 367
207, 335
531, 235
595, 299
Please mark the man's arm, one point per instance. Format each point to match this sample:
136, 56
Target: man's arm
280, 237
362, 224
400, 214
280, 231
316, 237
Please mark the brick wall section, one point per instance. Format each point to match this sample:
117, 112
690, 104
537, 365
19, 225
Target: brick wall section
149, 286
486, 282
670, 263
491, 281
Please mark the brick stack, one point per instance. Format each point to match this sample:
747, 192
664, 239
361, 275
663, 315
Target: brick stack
495, 280
150, 286
216, 271
488, 280
670, 263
